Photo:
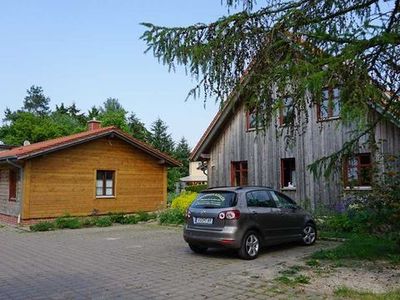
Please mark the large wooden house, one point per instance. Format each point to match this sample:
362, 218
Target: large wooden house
98, 171
235, 153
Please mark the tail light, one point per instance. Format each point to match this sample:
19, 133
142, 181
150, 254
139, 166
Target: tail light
229, 215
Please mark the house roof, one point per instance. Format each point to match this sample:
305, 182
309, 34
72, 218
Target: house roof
41, 148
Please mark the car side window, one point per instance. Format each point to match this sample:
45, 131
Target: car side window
260, 199
283, 201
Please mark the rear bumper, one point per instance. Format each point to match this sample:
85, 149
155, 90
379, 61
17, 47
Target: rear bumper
229, 237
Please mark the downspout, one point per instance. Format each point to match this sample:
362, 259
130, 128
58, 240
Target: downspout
21, 174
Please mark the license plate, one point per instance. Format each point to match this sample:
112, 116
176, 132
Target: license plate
202, 220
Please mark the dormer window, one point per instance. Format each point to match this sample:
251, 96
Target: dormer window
329, 108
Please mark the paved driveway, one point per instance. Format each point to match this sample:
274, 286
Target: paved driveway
130, 262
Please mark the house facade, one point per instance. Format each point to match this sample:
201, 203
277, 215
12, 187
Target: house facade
234, 152
98, 171
196, 175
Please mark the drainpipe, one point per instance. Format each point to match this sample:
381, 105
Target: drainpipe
21, 174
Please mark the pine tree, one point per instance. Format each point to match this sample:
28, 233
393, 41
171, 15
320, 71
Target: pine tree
137, 128
281, 49
182, 153
36, 102
160, 138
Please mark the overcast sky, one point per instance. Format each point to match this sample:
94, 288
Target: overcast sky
87, 51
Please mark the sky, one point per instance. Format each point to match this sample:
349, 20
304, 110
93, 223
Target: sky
87, 51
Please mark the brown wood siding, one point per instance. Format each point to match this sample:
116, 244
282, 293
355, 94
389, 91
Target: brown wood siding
64, 182
264, 151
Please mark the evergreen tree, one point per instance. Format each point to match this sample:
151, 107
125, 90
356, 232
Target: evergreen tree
293, 49
160, 138
137, 128
36, 102
113, 114
182, 153
93, 113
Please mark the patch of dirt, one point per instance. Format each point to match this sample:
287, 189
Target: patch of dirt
377, 277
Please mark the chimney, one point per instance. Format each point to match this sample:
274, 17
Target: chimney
93, 124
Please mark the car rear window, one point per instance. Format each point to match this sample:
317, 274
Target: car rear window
215, 200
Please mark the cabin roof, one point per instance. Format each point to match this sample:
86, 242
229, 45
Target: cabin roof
45, 147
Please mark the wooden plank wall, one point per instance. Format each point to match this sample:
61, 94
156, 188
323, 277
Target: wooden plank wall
264, 150
64, 182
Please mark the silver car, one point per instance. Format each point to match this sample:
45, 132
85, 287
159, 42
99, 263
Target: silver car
245, 218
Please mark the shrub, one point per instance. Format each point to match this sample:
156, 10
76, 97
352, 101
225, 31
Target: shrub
42, 226
89, 222
196, 188
143, 216
183, 201
68, 222
131, 219
171, 216
117, 217
103, 221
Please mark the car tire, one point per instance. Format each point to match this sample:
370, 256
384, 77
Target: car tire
250, 246
309, 234
198, 249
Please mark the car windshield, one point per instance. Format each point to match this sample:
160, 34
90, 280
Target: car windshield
215, 200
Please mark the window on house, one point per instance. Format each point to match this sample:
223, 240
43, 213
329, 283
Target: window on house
239, 173
288, 173
254, 117
105, 183
287, 111
330, 104
357, 170
12, 181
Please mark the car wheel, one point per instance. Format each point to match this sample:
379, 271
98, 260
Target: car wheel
309, 234
197, 248
250, 246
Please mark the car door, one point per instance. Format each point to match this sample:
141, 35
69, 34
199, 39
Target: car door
266, 215
292, 216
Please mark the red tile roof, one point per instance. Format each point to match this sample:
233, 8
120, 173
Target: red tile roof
37, 149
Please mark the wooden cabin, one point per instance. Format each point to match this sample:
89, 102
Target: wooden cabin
98, 171
235, 153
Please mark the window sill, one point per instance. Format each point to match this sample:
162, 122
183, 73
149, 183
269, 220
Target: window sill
105, 197
328, 119
358, 188
12, 200
286, 188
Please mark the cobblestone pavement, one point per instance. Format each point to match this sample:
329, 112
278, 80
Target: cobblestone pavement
143, 261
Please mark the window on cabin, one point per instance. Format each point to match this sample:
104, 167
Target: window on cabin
287, 111
288, 173
239, 173
12, 182
330, 104
358, 169
105, 183
254, 117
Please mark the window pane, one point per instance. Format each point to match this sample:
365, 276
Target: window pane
109, 184
109, 175
252, 120
99, 191
99, 183
100, 175
288, 172
109, 191
352, 173
365, 159
336, 102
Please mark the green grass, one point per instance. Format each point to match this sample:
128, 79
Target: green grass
362, 248
293, 270
171, 216
347, 293
68, 222
292, 281
42, 226
103, 222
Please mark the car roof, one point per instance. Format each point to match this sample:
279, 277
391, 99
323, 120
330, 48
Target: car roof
237, 188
